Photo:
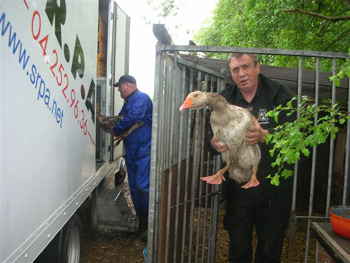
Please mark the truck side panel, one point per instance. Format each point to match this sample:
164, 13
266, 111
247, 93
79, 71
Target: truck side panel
47, 132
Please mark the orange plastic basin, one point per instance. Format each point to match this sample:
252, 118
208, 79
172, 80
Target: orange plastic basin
340, 220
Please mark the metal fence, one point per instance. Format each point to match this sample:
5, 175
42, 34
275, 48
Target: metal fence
183, 218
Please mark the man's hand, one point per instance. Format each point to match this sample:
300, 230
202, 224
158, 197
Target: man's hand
255, 134
218, 146
117, 140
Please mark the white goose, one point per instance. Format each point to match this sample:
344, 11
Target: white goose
229, 124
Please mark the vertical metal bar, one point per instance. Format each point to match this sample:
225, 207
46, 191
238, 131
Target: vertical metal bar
193, 179
201, 183
155, 148
331, 149
217, 164
213, 211
208, 194
347, 145
188, 159
166, 146
199, 213
201, 116
300, 83
214, 204
312, 183
295, 178
314, 150
179, 160
161, 141
317, 89
166, 109
171, 113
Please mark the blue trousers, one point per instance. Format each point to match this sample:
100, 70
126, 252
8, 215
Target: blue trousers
138, 159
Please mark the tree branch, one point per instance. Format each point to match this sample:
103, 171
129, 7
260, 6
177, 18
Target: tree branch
344, 34
328, 18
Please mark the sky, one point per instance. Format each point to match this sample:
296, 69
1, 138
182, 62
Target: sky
142, 41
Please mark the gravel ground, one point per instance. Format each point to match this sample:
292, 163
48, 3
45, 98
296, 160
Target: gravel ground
119, 247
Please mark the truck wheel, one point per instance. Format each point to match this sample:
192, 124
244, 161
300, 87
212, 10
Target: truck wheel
72, 241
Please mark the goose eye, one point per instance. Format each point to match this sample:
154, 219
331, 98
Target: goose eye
195, 95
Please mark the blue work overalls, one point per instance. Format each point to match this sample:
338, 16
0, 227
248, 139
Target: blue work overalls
138, 107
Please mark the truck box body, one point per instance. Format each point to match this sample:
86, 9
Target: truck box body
48, 138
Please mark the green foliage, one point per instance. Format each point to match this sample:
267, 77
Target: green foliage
292, 139
345, 71
266, 24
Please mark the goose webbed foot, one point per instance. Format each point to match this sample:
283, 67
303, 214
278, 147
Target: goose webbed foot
219, 176
253, 182
214, 179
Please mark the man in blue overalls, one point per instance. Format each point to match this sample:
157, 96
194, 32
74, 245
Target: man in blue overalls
137, 107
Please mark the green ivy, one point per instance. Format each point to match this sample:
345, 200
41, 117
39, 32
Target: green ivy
290, 140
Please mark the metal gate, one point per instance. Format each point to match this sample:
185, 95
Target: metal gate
184, 211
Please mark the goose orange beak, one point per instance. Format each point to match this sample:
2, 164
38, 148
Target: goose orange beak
187, 104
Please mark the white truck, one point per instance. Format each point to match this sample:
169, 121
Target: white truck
57, 60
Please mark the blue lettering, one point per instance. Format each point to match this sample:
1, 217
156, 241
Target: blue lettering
54, 106
61, 118
12, 42
38, 77
12, 39
35, 78
42, 88
47, 97
22, 56
32, 75
2, 21
58, 115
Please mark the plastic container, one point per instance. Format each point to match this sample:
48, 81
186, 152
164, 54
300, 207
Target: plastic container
340, 220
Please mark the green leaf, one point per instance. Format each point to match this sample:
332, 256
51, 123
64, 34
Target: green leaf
270, 114
337, 82
275, 179
287, 173
268, 138
331, 78
306, 152
275, 116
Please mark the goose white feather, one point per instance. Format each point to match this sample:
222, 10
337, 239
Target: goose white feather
229, 124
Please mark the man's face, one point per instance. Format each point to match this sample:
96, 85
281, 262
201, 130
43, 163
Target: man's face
123, 89
244, 73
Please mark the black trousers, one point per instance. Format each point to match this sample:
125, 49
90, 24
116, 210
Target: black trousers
256, 208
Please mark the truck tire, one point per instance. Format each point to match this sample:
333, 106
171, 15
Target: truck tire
66, 247
72, 241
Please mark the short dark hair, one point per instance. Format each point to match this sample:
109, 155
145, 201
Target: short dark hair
238, 55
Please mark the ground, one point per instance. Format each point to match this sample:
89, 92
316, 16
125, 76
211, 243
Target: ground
113, 246
121, 247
